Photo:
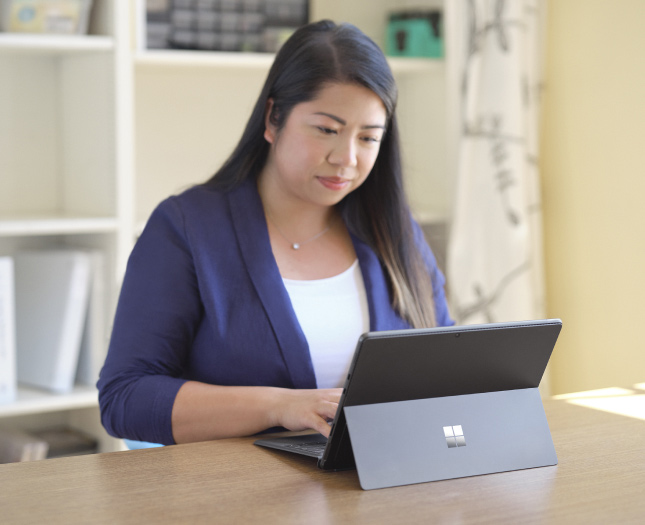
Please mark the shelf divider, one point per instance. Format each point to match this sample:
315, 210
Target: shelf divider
240, 60
54, 44
32, 225
34, 401
221, 59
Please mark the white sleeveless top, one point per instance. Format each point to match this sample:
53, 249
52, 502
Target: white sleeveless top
332, 313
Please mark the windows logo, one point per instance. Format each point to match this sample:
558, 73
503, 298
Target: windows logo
454, 436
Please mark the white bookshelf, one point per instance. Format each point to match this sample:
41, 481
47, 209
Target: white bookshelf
65, 159
71, 175
192, 106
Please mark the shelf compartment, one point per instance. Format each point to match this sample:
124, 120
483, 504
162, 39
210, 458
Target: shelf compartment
33, 225
54, 44
34, 401
58, 152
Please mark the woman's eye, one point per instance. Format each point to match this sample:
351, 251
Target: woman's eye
327, 131
374, 140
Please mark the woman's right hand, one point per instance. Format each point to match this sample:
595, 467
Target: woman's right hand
202, 412
306, 409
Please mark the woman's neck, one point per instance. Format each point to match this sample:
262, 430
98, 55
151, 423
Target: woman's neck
308, 241
295, 218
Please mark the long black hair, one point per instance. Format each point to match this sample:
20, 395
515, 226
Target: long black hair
377, 212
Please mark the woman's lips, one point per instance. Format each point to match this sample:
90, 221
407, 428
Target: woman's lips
334, 183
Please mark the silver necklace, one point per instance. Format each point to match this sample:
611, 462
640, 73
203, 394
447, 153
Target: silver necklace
298, 245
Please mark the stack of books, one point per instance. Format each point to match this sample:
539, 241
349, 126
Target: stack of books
57, 442
65, 441
223, 25
16, 445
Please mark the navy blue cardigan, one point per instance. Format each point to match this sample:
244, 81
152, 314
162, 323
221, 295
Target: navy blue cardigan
203, 299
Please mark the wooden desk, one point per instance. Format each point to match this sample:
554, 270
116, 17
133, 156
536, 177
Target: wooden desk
599, 479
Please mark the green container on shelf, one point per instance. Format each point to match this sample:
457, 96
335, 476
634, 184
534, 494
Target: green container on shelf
415, 34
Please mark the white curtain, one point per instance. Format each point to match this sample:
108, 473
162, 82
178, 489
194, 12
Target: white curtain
495, 261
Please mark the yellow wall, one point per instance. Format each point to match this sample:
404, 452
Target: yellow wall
593, 153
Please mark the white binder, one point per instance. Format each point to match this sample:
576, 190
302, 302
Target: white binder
7, 332
94, 342
51, 305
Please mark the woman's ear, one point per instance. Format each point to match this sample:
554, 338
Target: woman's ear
269, 126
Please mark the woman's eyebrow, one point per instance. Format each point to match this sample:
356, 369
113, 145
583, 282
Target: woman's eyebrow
344, 122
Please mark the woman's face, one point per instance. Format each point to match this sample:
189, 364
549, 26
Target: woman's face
327, 146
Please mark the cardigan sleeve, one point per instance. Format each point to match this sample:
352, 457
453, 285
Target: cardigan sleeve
158, 312
442, 313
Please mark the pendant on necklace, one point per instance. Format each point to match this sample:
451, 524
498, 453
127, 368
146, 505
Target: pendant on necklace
295, 246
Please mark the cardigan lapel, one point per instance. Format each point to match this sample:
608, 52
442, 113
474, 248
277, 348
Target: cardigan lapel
252, 234
382, 316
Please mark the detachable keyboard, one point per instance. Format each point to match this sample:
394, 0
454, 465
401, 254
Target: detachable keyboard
312, 445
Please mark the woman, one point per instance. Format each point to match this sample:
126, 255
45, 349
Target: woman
244, 297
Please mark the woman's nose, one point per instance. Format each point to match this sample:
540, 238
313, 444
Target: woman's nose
343, 154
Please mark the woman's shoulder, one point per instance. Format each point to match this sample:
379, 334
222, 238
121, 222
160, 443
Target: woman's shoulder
196, 205
198, 195
203, 208
204, 197
198, 202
